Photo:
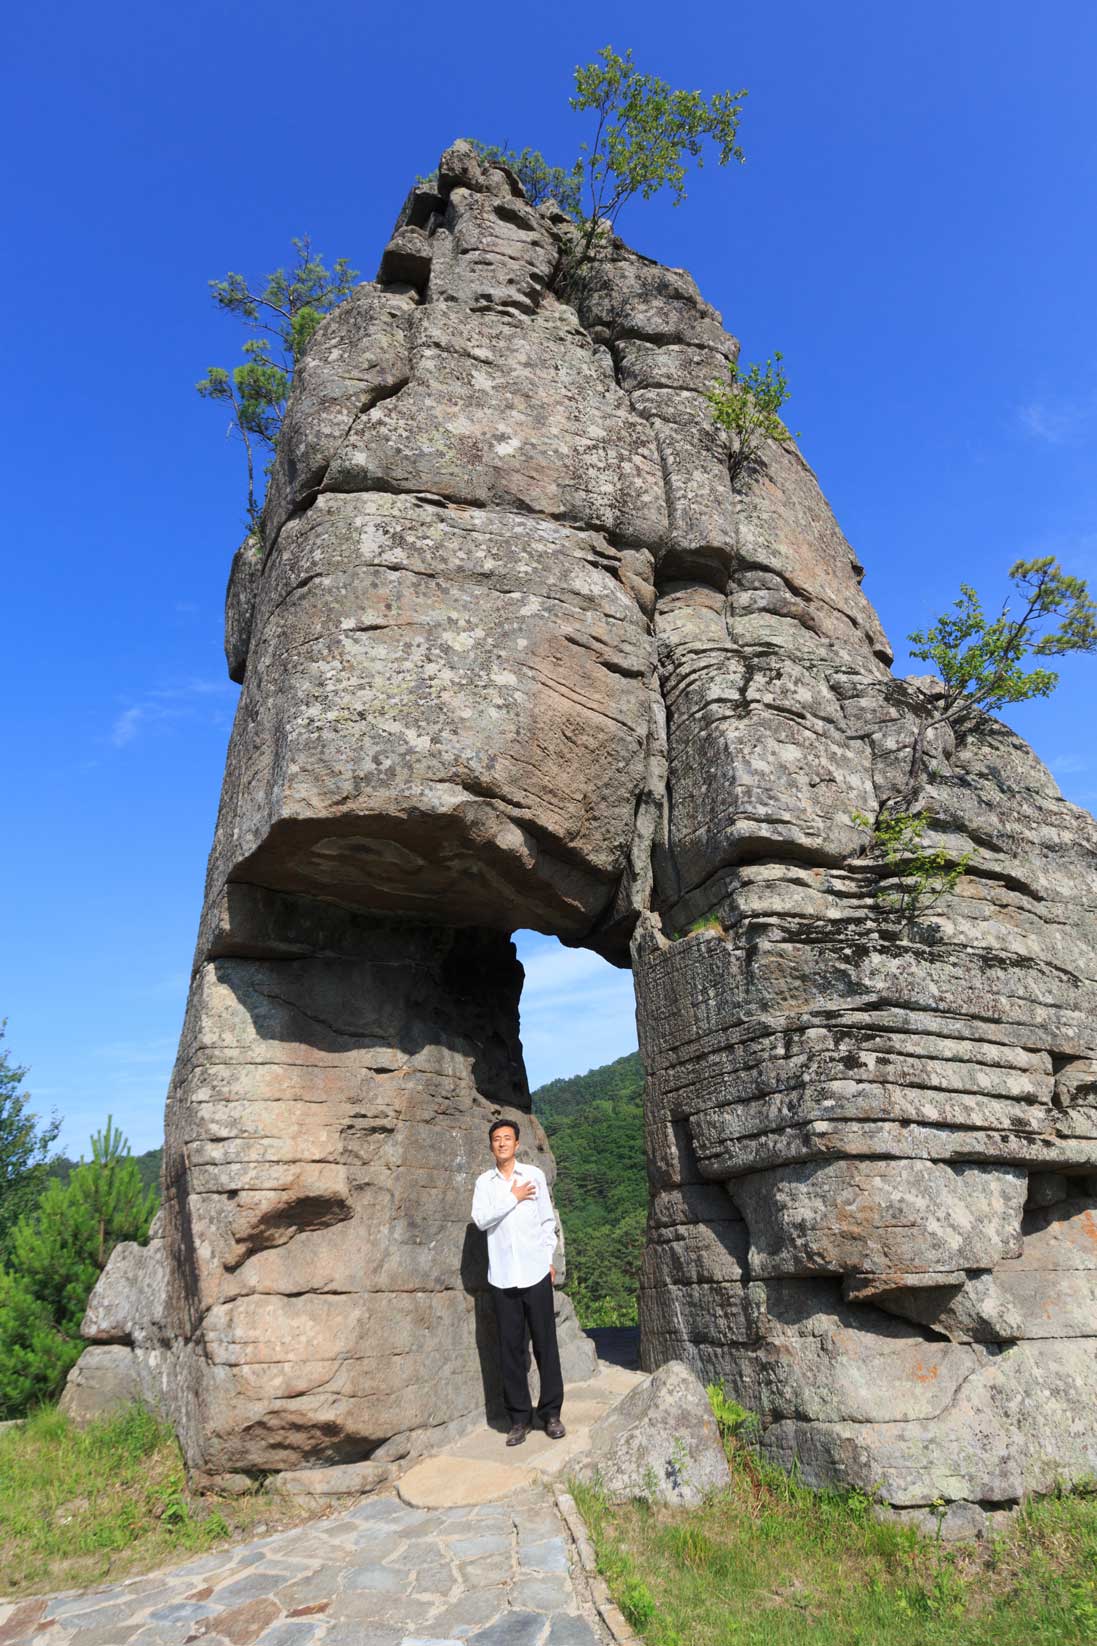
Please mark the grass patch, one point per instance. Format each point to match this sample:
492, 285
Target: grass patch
707, 923
79, 1506
771, 1563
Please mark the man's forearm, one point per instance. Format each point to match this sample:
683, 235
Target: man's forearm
490, 1206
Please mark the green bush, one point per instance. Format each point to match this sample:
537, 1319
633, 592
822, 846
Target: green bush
35, 1358
747, 406
55, 1256
917, 879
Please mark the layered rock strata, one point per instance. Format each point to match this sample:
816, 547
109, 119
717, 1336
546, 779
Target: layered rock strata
517, 653
859, 1134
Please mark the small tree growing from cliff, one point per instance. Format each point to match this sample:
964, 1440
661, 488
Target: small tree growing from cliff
282, 312
540, 181
917, 879
747, 406
645, 132
981, 664
981, 661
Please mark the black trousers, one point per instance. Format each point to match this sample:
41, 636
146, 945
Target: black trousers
518, 1308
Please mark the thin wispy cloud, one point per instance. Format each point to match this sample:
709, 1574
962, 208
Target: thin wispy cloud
1058, 420
164, 705
125, 727
172, 986
577, 1010
159, 1049
1063, 765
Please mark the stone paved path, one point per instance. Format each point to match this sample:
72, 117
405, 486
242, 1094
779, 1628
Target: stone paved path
470, 1550
479, 1467
383, 1574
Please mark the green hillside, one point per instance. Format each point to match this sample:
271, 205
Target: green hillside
559, 1098
148, 1164
595, 1124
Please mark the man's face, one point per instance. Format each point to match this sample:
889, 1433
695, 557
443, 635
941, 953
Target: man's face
503, 1145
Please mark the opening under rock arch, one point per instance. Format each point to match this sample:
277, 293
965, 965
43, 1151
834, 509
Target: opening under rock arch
578, 1025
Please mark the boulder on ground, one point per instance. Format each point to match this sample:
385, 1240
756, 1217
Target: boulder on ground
104, 1380
660, 1442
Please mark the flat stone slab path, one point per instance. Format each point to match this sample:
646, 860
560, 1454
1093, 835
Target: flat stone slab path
481, 1468
383, 1574
470, 1550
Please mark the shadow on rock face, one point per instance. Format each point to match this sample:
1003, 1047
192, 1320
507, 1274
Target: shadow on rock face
474, 1278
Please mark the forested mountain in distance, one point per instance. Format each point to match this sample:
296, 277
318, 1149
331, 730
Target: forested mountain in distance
595, 1125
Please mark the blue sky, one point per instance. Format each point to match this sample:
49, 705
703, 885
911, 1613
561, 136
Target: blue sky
914, 228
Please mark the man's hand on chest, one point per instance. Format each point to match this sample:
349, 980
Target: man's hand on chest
522, 1188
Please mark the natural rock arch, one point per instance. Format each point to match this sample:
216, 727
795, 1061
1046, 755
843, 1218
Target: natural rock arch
518, 655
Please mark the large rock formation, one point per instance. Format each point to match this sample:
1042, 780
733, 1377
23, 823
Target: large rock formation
519, 654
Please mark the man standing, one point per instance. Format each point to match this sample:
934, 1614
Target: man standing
511, 1204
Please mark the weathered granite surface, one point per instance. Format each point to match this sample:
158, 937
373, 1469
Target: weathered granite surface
659, 1442
520, 655
895, 1118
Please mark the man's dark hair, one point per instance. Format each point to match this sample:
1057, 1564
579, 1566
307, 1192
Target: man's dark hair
495, 1125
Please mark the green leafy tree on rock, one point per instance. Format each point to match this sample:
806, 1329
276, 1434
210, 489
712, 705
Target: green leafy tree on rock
917, 879
645, 132
26, 1145
982, 665
747, 406
981, 661
282, 312
540, 181
56, 1254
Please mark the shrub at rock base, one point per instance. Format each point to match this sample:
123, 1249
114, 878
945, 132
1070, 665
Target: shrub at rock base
56, 1254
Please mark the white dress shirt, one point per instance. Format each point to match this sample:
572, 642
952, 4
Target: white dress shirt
521, 1233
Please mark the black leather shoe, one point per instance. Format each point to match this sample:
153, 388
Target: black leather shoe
517, 1434
555, 1429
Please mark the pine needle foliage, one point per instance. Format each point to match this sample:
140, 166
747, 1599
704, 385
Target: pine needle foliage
540, 181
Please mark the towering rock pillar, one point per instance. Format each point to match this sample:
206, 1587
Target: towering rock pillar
870, 1145
449, 727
